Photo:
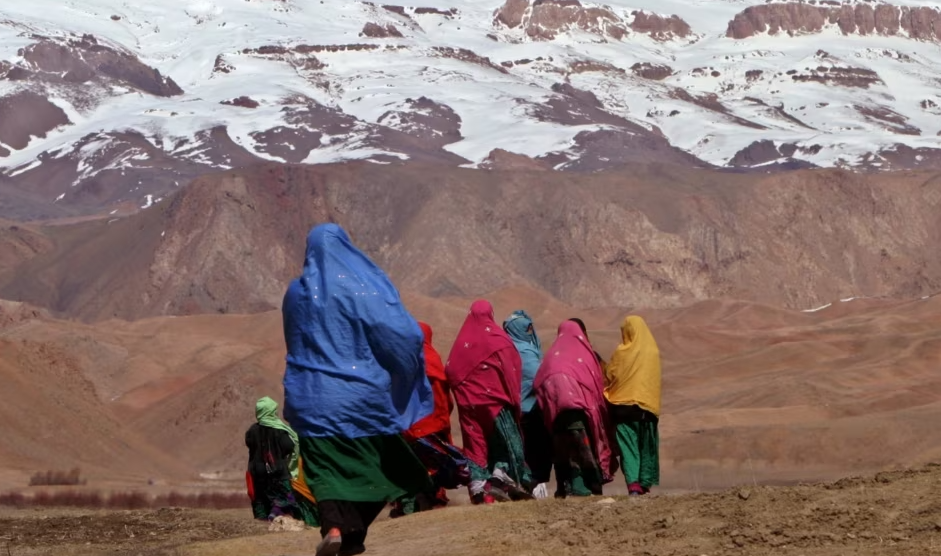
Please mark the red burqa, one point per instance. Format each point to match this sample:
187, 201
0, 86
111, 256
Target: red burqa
570, 378
485, 373
440, 418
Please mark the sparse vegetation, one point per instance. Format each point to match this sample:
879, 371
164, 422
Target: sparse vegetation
126, 500
57, 478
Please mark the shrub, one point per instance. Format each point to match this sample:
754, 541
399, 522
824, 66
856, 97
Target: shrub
14, 499
57, 478
128, 500
78, 499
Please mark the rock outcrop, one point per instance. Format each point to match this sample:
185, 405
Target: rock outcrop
654, 72
763, 153
916, 22
242, 101
546, 19
376, 31
24, 115
662, 28
85, 59
427, 120
500, 159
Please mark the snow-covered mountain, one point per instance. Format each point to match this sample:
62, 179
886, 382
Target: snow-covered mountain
115, 103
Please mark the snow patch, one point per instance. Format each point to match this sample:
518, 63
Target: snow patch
23, 169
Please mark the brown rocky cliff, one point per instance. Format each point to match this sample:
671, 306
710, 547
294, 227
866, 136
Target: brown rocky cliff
646, 236
85, 59
920, 23
660, 27
545, 19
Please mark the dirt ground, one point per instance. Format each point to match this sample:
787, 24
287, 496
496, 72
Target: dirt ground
893, 513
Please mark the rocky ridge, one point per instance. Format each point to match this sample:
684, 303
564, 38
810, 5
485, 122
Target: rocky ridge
921, 23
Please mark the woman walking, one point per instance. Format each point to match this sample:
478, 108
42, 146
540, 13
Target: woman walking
431, 440
273, 468
354, 381
570, 390
484, 373
537, 441
632, 387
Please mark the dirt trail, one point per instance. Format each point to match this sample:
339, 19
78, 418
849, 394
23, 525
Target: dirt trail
893, 513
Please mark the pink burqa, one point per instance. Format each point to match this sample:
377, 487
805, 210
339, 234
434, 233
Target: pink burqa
570, 378
484, 371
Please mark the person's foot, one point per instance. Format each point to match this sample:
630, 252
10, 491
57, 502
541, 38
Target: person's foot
498, 491
634, 489
482, 498
541, 491
518, 492
501, 485
331, 543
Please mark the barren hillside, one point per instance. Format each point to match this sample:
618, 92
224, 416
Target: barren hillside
649, 236
751, 393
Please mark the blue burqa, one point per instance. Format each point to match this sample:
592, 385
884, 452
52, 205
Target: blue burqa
527, 343
355, 363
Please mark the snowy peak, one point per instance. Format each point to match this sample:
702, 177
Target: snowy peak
103, 103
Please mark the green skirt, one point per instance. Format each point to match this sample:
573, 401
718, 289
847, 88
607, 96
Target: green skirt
368, 469
306, 511
504, 452
639, 445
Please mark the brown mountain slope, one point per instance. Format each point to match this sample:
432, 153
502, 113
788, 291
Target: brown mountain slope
19, 243
53, 419
751, 392
647, 236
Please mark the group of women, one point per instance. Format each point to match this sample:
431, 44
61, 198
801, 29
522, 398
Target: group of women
369, 400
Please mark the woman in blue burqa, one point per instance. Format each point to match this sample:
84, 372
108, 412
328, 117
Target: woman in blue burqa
355, 380
537, 440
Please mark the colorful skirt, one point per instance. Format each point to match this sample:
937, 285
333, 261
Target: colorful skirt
447, 468
577, 471
507, 476
368, 469
638, 441
275, 497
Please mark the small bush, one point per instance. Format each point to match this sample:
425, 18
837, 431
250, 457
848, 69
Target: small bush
78, 499
57, 478
129, 500
13, 499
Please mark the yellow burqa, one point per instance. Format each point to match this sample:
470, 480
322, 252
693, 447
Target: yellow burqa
632, 377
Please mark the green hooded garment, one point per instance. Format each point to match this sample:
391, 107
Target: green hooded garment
266, 412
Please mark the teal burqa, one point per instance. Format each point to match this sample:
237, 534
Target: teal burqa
519, 326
